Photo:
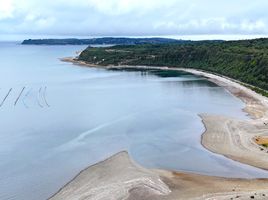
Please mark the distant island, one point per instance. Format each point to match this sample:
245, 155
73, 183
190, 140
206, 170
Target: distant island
244, 60
104, 41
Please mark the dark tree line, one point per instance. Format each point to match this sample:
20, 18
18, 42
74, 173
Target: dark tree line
245, 60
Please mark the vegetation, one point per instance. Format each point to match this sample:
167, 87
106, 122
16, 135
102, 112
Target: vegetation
245, 60
105, 40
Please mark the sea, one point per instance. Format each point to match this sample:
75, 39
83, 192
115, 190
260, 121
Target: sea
57, 118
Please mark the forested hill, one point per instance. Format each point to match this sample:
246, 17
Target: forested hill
101, 41
245, 60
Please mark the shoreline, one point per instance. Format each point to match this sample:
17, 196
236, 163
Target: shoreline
256, 106
232, 138
237, 146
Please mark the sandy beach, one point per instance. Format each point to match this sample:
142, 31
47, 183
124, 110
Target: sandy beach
235, 138
120, 178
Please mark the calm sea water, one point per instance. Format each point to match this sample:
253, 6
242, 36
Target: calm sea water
57, 118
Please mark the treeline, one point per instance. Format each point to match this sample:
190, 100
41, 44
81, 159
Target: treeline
245, 60
103, 41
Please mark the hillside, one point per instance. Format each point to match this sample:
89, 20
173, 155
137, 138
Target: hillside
101, 41
245, 60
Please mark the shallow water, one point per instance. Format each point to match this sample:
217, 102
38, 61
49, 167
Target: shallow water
59, 118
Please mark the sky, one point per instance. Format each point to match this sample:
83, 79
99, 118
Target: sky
185, 19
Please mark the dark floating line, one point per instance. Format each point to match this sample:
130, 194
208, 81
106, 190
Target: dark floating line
44, 96
2, 103
19, 96
38, 97
26, 95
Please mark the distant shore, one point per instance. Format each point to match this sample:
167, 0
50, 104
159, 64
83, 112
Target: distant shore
230, 137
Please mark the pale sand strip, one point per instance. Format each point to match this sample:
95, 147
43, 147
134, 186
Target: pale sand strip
256, 104
235, 138
112, 179
119, 178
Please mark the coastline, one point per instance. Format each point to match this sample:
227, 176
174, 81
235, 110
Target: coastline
256, 104
232, 138
242, 145
218, 138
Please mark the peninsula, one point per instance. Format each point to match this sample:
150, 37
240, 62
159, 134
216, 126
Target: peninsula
103, 41
244, 60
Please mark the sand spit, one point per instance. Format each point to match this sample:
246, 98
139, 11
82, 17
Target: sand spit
112, 179
233, 138
120, 178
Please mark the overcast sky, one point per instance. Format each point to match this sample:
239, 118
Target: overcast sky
180, 18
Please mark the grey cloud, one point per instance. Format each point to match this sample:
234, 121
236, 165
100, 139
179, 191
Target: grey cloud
133, 17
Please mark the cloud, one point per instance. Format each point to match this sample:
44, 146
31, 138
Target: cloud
133, 17
6, 9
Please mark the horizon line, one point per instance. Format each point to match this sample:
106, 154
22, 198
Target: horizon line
226, 37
